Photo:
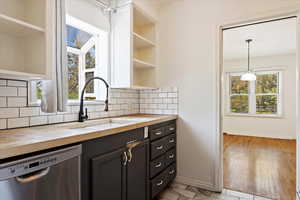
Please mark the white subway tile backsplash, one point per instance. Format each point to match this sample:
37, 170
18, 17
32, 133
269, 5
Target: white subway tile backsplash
22, 91
8, 91
3, 102
159, 101
53, 119
14, 112
3, 124
16, 101
29, 111
3, 82
40, 120
9, 113
18, 122
16, 83
70, 117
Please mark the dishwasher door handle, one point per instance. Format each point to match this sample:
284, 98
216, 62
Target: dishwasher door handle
33, 176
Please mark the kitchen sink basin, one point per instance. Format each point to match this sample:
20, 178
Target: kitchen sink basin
103, 122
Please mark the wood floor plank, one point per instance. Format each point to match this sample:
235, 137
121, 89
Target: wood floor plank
260, 166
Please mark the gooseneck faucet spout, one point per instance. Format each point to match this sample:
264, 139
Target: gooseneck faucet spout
82, 116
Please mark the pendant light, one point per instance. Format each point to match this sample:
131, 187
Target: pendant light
249, 76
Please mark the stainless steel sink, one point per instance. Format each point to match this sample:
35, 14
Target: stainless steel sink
103, 122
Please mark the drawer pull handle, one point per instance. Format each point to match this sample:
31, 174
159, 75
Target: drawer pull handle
158, 165
172, 129
172, 172
160, 183
171, 156
158, 133
160, 147
171, 141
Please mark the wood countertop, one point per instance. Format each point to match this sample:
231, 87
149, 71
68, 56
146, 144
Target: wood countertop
21, 141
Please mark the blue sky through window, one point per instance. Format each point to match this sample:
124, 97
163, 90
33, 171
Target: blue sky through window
76, 38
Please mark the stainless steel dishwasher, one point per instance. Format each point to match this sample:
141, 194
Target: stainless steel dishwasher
49, 176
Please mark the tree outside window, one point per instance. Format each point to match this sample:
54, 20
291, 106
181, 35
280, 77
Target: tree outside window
260, 97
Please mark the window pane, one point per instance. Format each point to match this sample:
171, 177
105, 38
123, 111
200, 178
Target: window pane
90, 87
266, 83
238, 86
266, 104
239, 104
39, 90
90, 59
73, 79
76, 38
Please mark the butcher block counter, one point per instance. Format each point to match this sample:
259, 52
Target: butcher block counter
21, 141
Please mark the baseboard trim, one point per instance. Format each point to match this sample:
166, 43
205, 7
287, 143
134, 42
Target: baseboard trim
195, 183
260, 136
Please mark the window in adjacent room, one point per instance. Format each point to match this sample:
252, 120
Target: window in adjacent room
260, 98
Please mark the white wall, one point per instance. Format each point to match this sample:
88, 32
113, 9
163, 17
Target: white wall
187, 59
284, 127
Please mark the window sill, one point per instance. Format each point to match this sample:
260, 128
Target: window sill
254, 116
72, 103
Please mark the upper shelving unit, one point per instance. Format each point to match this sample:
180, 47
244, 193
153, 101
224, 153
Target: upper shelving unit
23, 37
17, 27
141, 42
144, 46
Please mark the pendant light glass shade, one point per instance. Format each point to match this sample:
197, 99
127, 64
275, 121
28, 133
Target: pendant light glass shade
249, 76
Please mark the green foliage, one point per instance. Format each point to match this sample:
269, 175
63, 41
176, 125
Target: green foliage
238, 86
266, 83
265, 104
239, 104
73, 76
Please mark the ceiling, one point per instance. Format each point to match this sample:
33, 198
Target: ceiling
271, 38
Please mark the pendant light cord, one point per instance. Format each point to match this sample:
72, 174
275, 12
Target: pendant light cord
248, 42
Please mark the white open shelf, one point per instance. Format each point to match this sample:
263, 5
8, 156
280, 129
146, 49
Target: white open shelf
141, 42
141, 64
20, 75
18, 27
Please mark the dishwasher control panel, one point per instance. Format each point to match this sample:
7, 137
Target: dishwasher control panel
29, 166
36, 163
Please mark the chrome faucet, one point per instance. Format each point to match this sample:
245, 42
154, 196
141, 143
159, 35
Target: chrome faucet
82, 116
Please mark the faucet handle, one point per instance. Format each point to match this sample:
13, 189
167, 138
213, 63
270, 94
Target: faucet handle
86, 113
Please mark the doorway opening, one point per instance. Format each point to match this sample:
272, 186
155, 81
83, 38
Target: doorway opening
259, 108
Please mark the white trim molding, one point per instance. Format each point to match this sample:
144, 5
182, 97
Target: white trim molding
196, 183
219, 84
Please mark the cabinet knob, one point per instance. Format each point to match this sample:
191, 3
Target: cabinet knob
171, 141
158, 165
160, 183
171, 156
160, 147
158, 133
172, 172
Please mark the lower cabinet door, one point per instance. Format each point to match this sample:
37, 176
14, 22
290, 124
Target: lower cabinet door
137, 173
109, 176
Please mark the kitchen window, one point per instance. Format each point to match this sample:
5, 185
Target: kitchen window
255, 98
87, 57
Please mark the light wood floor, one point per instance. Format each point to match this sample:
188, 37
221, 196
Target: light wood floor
260, 166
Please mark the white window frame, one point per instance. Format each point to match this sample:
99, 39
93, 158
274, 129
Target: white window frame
252, 95
101, 41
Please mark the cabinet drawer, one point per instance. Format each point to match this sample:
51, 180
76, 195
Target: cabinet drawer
171, 173
157, 133
158, 148
170, 157
170, 128
157, 166
170, 141
158, 184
